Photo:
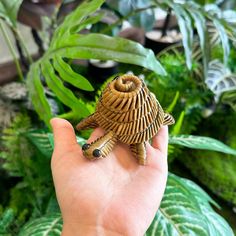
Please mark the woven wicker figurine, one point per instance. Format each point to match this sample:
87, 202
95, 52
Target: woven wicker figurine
128, 112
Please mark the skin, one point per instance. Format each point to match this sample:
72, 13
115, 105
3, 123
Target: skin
111, 196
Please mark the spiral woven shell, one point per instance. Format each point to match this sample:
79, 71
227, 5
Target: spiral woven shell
128, 112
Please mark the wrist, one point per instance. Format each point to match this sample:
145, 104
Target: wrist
69, 230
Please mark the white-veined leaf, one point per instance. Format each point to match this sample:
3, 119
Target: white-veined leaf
185, 210
49, 225
200, 142
220, 79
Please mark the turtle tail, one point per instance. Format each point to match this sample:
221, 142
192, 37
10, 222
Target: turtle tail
168, 119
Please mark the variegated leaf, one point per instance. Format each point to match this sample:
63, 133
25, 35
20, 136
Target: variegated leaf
200, 142
49, 225
186, 210
220, 79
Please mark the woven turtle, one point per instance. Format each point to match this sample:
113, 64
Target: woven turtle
128, 112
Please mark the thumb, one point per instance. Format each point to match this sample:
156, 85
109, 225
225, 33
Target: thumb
64, 135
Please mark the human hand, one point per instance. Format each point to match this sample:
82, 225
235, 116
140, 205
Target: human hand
111, 196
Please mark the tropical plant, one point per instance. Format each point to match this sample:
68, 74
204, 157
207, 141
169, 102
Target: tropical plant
68, 43
191, 14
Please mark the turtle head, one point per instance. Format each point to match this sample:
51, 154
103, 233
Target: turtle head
91, 152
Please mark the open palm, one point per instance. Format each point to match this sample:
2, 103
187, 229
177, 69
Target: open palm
112, 196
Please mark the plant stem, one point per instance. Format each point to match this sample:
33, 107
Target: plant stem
38, 41
126, 17
22, 58
166, 22
19, 37
12, 50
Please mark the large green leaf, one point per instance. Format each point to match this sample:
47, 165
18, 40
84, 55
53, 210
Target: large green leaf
9, 11
77, 17
200, 24
185, 25
220, 23
49, 225
185, 210
37, 94
200, 142
103, 47
67, 74
64, 94
68, 44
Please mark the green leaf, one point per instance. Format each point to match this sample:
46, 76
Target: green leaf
9, 11
68, 75
185, 210
6, 220
52, 206
36, 92
63, 93
224, 39
220, 80
41, 140
200, 23
171, 107
185, 25
49, 225
200, 142
89, 21
103, 47
177, 127
76, 17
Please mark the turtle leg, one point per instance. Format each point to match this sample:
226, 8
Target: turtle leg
101, 147
168, 119
87, 123
139, 151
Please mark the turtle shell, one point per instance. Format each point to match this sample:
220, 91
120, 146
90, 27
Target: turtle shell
127, 108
